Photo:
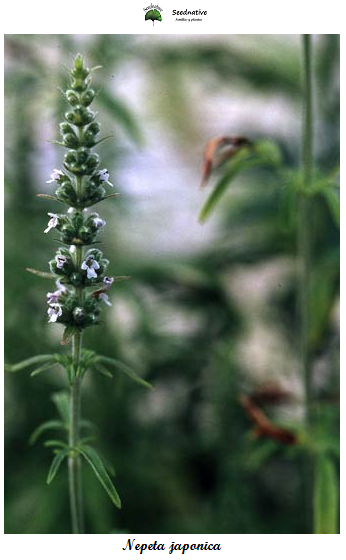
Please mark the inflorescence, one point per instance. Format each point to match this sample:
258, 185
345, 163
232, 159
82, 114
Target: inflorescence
81, 185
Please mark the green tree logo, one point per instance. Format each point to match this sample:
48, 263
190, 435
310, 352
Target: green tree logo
153, 15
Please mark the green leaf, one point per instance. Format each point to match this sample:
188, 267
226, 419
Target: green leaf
42, 274
44, 367
262, 154
122, 114
221, 186
333, 200
325, 497
124, 369
50, 197
93, 458
29, 362
48, 425
58, 459
153, 15
87, 424
54, 443
99, 367
87, 439
62, 403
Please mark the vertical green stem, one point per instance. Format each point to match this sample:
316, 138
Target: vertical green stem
304, 224
74, 464
304, 239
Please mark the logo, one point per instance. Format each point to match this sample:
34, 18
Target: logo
153, 12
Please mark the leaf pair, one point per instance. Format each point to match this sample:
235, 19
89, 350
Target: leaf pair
94, 460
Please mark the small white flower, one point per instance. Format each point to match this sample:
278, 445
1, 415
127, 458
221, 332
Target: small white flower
54, 311
60, 286
90, 265
55, 175
53, 222
104, 176
105, 299
60, 260
53, 297
98, 222
108, 281
70, 210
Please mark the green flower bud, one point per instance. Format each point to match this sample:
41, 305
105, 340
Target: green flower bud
77, 220
70, 140
66, 128
67, 194
80, 116
80, 71
79, 85
92, 163
88, 97
72, 97
94, 128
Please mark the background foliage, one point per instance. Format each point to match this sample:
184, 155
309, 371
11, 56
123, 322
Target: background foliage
210, 311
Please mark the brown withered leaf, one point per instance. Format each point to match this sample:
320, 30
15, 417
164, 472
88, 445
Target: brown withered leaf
263, 427
271, 394
218, 150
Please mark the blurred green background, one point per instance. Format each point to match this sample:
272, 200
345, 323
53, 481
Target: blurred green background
210, 311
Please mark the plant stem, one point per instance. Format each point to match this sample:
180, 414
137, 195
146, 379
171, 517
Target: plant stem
304, 239
74, 464
304, 225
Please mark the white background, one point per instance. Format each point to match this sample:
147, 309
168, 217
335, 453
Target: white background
112, 17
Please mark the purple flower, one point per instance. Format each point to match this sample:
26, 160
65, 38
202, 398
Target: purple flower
108, 281
53, 297
60, 260
105, 298
53, 222
55, 176
104, 176
90, 265
98, 222
54, 311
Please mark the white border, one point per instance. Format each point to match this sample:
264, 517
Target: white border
230, 17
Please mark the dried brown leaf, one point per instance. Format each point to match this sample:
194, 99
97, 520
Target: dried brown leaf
263, 427
217, 151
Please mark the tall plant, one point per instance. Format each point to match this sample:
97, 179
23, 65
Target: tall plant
231, 156
82, 287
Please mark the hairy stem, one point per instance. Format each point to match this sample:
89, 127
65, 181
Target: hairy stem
75, 467
74, 459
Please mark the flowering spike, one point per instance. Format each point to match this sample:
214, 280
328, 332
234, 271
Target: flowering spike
82, 185
78, 271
